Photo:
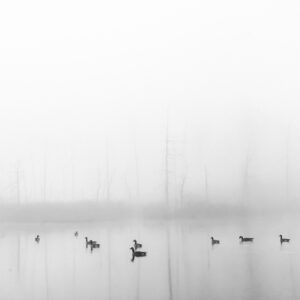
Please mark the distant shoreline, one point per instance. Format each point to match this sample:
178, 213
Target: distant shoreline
114, 211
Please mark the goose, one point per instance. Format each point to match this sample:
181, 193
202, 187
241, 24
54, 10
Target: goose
283, 240
137, 245
246, 239
76, 233
89, 242
37, 238
213, 241
95, 245
137, 253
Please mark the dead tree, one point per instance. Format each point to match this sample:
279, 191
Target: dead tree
18, 184
107, 173
206, 184
167, 163
136, 159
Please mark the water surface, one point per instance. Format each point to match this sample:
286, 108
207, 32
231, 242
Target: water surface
181, 262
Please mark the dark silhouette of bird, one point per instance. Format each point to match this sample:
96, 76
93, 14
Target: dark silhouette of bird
213, 241
245, 239
89, 242
283, 240
37, 238
137, 245
95, 245
76, 233
137, 253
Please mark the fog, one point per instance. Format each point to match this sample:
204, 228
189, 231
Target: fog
91, 92
149, 150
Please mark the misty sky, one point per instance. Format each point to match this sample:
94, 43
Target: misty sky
86, 87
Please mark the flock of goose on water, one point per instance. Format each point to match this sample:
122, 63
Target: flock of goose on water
94, 244
136, 245
249, 239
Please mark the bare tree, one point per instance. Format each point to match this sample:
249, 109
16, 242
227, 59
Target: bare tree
136, 168
167, 162
185, 167
107, 173
287, 164
206, 184
98, 185
183, 181
127, 188
45, 179
18, 183
246, 179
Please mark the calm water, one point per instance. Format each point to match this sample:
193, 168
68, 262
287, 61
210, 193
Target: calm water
181, 262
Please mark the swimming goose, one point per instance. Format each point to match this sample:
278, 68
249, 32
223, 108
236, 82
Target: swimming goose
246, 239
137, 245
283, 240
76, 233
37, 238
137, 253
89, 242
213, 241
95, 245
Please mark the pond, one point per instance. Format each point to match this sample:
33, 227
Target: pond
181, 262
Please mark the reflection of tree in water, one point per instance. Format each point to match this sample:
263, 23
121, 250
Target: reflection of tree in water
46, 269
292, 277
137, 294
18, 256
169, 263
74, 267
206, 281
185, 255
109, 263
177, 258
